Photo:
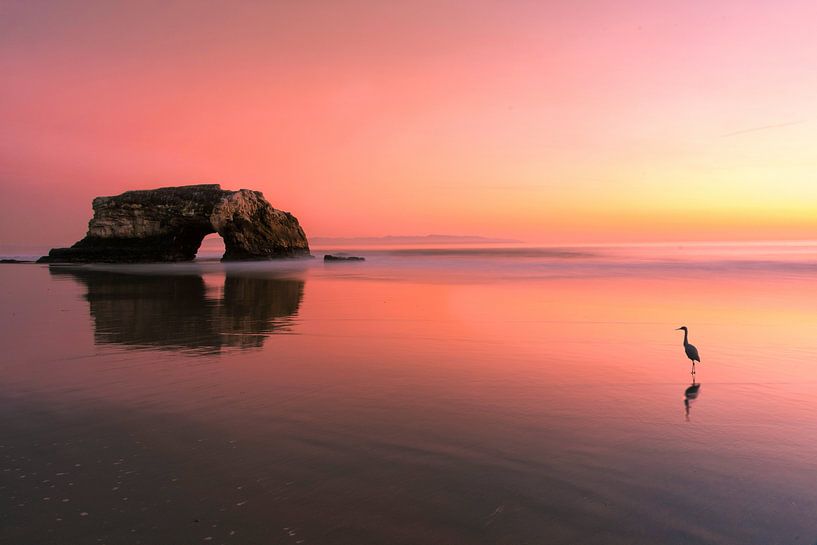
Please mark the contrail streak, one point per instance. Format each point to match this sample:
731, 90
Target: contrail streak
763, 128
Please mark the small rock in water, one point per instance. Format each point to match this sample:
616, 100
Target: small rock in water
330, 257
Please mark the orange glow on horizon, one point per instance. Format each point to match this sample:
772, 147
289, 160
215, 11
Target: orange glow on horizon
549, 123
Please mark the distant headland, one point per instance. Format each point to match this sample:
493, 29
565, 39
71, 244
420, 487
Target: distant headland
169, 224
410, 240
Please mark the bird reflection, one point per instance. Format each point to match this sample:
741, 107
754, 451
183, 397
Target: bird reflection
178, 312
690, 395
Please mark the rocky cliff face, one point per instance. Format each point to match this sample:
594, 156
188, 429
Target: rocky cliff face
168, 224
252, 229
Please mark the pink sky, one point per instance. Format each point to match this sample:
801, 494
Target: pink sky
549, 122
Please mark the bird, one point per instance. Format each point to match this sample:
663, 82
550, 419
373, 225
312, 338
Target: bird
691, 351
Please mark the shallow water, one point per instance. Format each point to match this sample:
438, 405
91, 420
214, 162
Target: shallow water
460, 395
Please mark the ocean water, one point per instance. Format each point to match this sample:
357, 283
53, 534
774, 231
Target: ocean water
452, 395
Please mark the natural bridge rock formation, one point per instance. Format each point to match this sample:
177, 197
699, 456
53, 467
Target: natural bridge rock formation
168, 224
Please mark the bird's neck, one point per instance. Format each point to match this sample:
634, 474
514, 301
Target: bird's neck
685, 337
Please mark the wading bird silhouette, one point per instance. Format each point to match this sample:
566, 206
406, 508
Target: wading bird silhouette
692, 352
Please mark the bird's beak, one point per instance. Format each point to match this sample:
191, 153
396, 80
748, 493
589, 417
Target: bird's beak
678, 328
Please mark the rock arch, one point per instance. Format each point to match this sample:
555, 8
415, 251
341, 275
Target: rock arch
169, 224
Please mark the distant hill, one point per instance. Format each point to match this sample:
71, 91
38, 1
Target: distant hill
409, 239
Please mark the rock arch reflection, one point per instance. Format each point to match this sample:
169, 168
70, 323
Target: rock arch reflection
178, 312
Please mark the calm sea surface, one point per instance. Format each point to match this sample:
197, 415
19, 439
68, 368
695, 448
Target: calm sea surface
445, 396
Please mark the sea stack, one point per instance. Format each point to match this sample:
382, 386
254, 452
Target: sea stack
169, 224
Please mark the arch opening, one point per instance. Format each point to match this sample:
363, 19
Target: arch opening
211, 248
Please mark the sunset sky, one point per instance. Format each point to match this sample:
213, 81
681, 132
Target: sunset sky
551, 122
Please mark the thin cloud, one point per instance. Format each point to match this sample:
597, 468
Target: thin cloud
763, 128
